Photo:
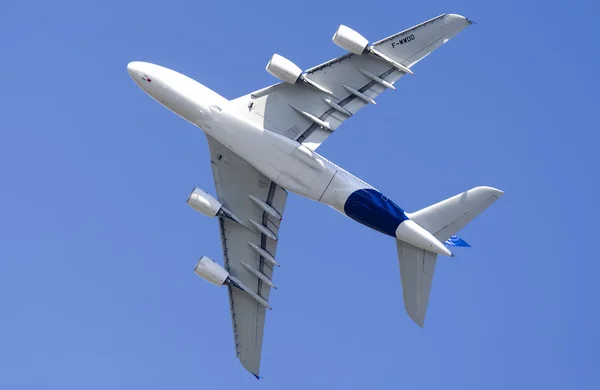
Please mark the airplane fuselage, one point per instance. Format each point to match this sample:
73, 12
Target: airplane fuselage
284, 161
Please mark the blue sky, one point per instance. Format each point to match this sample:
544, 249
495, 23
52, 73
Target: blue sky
97, 245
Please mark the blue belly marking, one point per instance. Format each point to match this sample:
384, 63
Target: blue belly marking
371, 208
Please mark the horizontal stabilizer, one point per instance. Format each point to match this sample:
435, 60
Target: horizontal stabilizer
446, 218
416, 273
443, 220
457, 241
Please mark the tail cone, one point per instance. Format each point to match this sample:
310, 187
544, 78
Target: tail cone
409, 231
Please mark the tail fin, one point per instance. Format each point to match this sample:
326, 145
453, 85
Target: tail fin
443, 220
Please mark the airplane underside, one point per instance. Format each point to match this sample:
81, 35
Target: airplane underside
263, 144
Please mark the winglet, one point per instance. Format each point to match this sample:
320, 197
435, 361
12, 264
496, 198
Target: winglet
256, 376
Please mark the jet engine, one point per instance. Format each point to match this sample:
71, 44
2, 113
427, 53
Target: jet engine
209, 206
350, 40
211, 271
284, 69
204, 203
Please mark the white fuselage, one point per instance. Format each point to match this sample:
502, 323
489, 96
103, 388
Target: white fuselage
284, 161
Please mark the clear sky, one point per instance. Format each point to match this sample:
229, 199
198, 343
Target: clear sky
97, 245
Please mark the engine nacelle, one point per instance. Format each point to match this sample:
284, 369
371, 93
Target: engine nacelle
350, 40
204, 203
284, 69
211, 271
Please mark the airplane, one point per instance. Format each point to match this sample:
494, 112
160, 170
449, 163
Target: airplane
263, 145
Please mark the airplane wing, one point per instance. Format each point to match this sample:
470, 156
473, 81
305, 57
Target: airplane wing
248, 253
307, 114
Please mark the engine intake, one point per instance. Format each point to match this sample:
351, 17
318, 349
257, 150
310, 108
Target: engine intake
211, 271
204, 203
350, 40
284, 69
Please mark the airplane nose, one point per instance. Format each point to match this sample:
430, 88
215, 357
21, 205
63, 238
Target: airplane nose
141, 72
133, 68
